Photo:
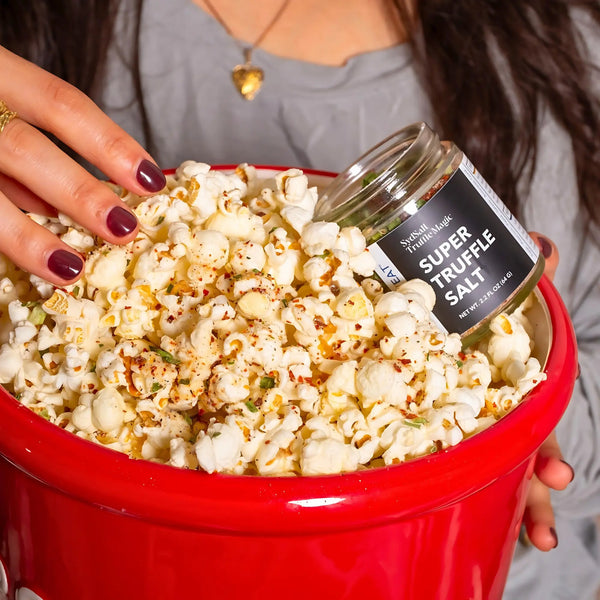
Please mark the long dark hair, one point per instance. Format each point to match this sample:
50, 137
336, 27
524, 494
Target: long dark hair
66, 37
490, 68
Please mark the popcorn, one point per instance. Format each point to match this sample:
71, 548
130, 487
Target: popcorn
11, 362
236, 335
219, 449
247, 256
317, 238
107, 409
380, 381
324, 456
105, 268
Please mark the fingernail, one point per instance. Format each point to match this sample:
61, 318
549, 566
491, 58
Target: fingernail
578, 371
150, 177
65, 264
570, 467
545, 246
553, 533
120, 221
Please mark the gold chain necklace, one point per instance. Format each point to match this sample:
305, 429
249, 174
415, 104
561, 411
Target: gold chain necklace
247, 77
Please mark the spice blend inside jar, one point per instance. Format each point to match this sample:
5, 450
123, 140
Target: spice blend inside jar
427, 213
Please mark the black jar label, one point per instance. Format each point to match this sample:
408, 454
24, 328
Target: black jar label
466, 244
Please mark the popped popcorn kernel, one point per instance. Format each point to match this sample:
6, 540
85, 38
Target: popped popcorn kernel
236, 335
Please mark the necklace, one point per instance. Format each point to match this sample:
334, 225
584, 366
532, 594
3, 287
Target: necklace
247, 77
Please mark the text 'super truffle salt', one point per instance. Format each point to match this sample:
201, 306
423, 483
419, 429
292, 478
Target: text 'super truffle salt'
427, 213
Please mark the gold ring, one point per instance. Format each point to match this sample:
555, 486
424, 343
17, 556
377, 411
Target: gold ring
6, 115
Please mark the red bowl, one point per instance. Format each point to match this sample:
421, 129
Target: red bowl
81, 522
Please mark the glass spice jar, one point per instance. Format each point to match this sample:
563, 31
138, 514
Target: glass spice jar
427, 213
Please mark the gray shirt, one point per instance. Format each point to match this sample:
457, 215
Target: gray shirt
309, 115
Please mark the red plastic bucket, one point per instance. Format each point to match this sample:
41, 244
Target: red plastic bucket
82, 522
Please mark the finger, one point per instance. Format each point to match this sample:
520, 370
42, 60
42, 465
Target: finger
34, 249
550, 467
539, 517
29, 157
549, 250
47, 102
23, 198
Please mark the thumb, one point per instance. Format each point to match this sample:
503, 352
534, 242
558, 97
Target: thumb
549, 250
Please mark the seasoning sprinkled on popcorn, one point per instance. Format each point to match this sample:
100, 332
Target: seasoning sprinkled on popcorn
237, 335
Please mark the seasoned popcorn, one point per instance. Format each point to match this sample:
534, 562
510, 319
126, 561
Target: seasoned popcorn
237, 335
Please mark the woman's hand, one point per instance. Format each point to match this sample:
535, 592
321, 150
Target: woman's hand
550, 471
36, 176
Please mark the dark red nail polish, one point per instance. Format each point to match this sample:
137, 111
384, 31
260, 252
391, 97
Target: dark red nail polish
65, 264
545, 246
120, 221
570, 467
553, 533
150, 177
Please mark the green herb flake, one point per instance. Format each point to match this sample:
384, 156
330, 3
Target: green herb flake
42, 352
169, 288
45, 414
251, 407
155, 387
459, 363
218, 433
37, 316
416, 422
188, 419
160, 220
76, 291
368, 178
166, 356
285, 302
266, 383
184, 381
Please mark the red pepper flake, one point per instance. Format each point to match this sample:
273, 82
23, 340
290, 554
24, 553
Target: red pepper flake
319, 323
